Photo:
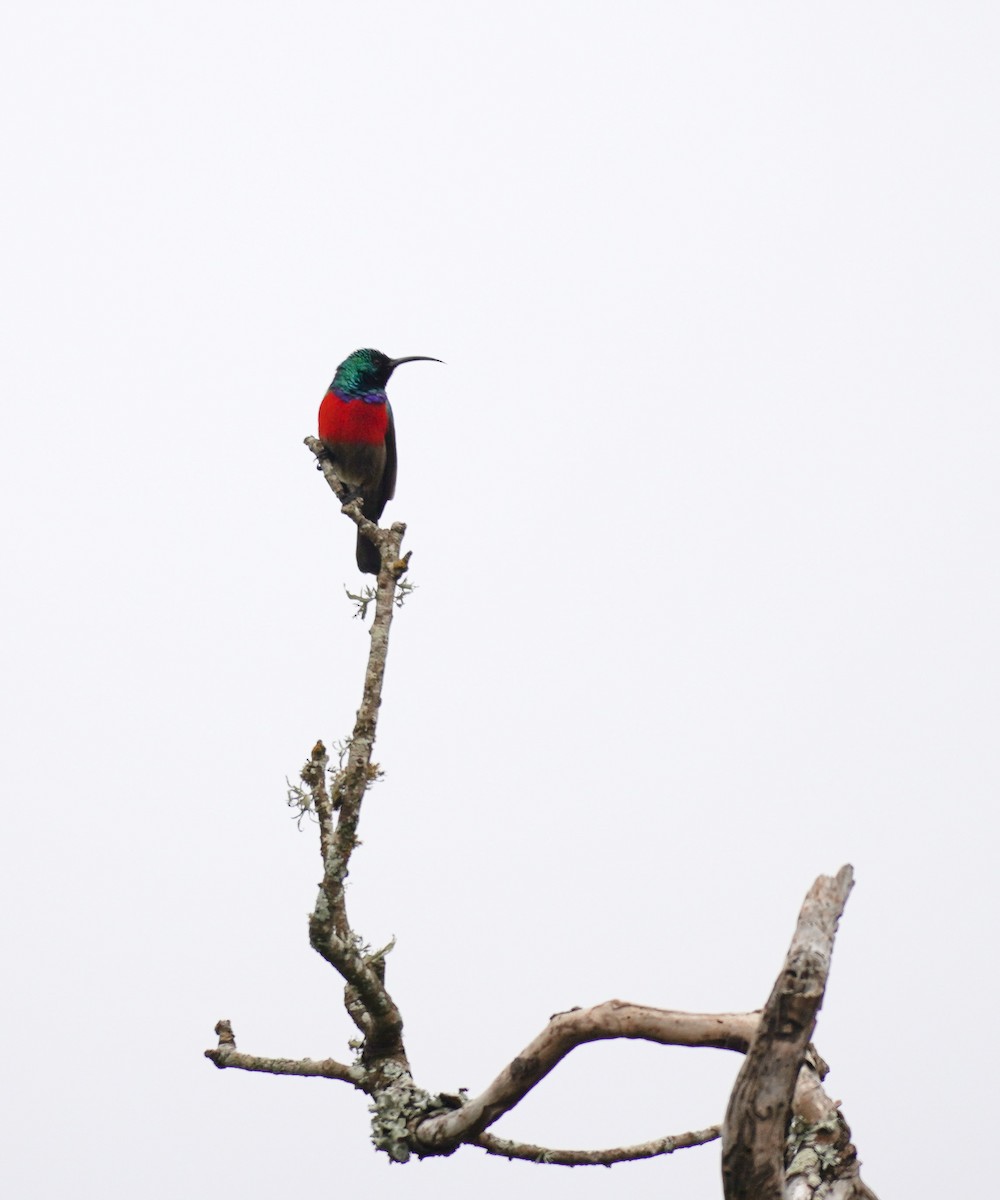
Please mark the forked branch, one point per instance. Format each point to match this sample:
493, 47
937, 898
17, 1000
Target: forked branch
783, 1137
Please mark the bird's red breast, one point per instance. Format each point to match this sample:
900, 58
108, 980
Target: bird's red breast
352, 420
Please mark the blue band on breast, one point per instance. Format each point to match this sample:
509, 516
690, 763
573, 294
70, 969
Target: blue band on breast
345, 397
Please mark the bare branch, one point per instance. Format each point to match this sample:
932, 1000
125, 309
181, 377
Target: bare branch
330, 933
595, 1158
760, 1107
612, 1019
228, 1056
782, 1073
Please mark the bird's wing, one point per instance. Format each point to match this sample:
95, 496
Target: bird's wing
388, 489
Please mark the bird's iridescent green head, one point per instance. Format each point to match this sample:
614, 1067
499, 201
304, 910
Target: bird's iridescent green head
367, 371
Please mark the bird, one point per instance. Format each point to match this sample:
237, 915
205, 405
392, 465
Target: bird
359, 436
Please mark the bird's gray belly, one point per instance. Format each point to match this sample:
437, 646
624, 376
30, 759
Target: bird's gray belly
359, 466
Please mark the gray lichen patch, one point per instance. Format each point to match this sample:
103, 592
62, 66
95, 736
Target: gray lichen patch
819, 1152
397, 1109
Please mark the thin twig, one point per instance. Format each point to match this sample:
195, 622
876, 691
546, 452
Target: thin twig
594, 1158
226, 1055
313, 775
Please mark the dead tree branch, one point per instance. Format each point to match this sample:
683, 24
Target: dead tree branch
226, 1055
565, 1031
596, 1158
330, 932
783, 1137
760, 1107
313, 775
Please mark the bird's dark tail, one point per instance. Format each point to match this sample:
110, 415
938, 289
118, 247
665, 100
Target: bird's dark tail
369, 559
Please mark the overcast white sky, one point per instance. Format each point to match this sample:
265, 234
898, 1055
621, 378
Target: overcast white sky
703, 512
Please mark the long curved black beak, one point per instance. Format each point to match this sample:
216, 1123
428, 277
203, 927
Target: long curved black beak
395, 362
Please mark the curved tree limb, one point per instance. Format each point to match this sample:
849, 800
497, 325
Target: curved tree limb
565, 1031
